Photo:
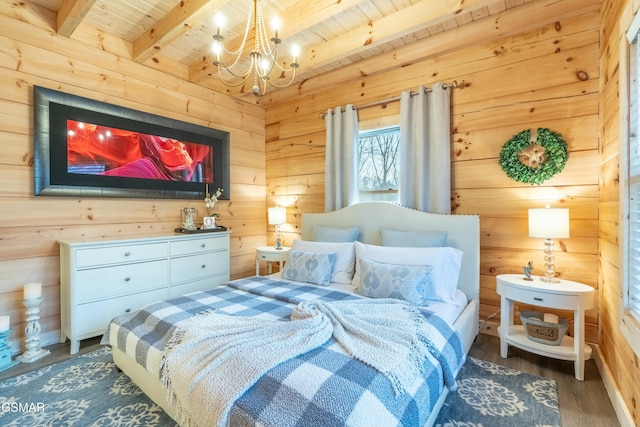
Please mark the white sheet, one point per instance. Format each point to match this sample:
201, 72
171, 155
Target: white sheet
447, 311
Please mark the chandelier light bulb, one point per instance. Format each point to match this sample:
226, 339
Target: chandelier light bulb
219, 20
216, 47
276, 23
264, 65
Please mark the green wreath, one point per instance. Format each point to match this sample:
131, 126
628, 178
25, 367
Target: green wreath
555, 156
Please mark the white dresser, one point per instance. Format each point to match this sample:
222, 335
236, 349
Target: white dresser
102, 279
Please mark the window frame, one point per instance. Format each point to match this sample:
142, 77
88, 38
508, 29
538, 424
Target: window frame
629, 113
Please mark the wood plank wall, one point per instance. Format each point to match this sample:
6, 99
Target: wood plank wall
545, 77
618, 355
97, 67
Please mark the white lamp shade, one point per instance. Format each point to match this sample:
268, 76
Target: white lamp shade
549, 223
277, 216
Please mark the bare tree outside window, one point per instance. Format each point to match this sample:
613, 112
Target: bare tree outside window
378, 164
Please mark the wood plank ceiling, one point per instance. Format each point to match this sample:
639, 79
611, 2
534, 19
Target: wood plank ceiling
330, 33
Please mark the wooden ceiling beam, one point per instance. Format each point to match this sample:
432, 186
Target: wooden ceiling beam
70, 15
391, 27
184, 16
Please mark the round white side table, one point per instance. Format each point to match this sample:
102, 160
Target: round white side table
566, 295
270, 254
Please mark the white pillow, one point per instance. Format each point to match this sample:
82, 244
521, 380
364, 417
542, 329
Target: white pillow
344, 265
445, 263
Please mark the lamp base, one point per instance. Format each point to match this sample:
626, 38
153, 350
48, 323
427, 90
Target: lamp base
550, 279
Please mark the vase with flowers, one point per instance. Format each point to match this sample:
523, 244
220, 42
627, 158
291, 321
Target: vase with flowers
210, 202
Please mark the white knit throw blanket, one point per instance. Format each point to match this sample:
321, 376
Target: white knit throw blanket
212, 359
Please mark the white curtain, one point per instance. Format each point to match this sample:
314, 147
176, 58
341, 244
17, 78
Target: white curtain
425, 151
341, 165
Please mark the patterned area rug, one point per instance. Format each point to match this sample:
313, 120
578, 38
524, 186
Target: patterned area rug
491, 395
88, 391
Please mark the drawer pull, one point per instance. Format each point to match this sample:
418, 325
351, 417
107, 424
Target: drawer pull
126, 279
203, 266
537, 298
203, 245
128, 310
127, 253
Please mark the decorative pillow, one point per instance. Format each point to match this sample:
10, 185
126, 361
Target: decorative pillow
309, 267
412, 239
335, 234
345, 264
405, 282
445, 262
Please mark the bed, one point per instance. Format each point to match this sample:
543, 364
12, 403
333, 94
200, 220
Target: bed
139, 340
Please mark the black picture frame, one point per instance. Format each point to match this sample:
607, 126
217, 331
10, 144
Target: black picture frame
52, 111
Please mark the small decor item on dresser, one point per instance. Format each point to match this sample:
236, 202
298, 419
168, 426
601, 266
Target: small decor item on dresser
544, 328
189, 217
209, 221
211, 200
527, 271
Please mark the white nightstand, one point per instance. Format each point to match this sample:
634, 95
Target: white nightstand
270, 254
566, 295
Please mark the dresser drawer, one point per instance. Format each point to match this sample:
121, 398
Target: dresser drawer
106, 282
194, 246
545, 299
198, 266
205, 284
106, 255
93, 318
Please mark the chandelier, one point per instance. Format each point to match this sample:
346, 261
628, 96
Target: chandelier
263, 58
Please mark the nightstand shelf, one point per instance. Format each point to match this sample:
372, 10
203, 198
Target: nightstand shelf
565, 351
566, 295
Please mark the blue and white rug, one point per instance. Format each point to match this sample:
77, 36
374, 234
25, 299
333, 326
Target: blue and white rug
88, 391
491, 395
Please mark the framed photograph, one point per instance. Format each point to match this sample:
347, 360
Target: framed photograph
209, 222
90, 148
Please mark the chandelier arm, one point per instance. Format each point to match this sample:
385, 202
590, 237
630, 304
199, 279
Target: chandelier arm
293, 76
223, 66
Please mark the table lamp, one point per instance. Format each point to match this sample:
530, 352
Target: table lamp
549, 223
277, 217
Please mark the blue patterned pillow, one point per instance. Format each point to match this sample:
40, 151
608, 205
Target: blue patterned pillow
405, 282
309, 267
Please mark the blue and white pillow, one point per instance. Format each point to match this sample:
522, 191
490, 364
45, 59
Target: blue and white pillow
309, 267
335, 234
412, 239
345, 264
405, 282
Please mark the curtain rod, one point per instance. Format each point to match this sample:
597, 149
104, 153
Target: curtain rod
453, 84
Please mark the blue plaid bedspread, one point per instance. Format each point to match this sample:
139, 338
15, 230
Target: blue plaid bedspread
324, 387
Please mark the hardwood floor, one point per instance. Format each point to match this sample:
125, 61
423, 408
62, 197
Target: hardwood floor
582, 403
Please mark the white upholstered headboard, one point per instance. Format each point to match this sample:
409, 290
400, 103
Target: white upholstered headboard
463, 232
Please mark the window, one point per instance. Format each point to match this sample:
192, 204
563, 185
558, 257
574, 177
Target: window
378, 151
630, 185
